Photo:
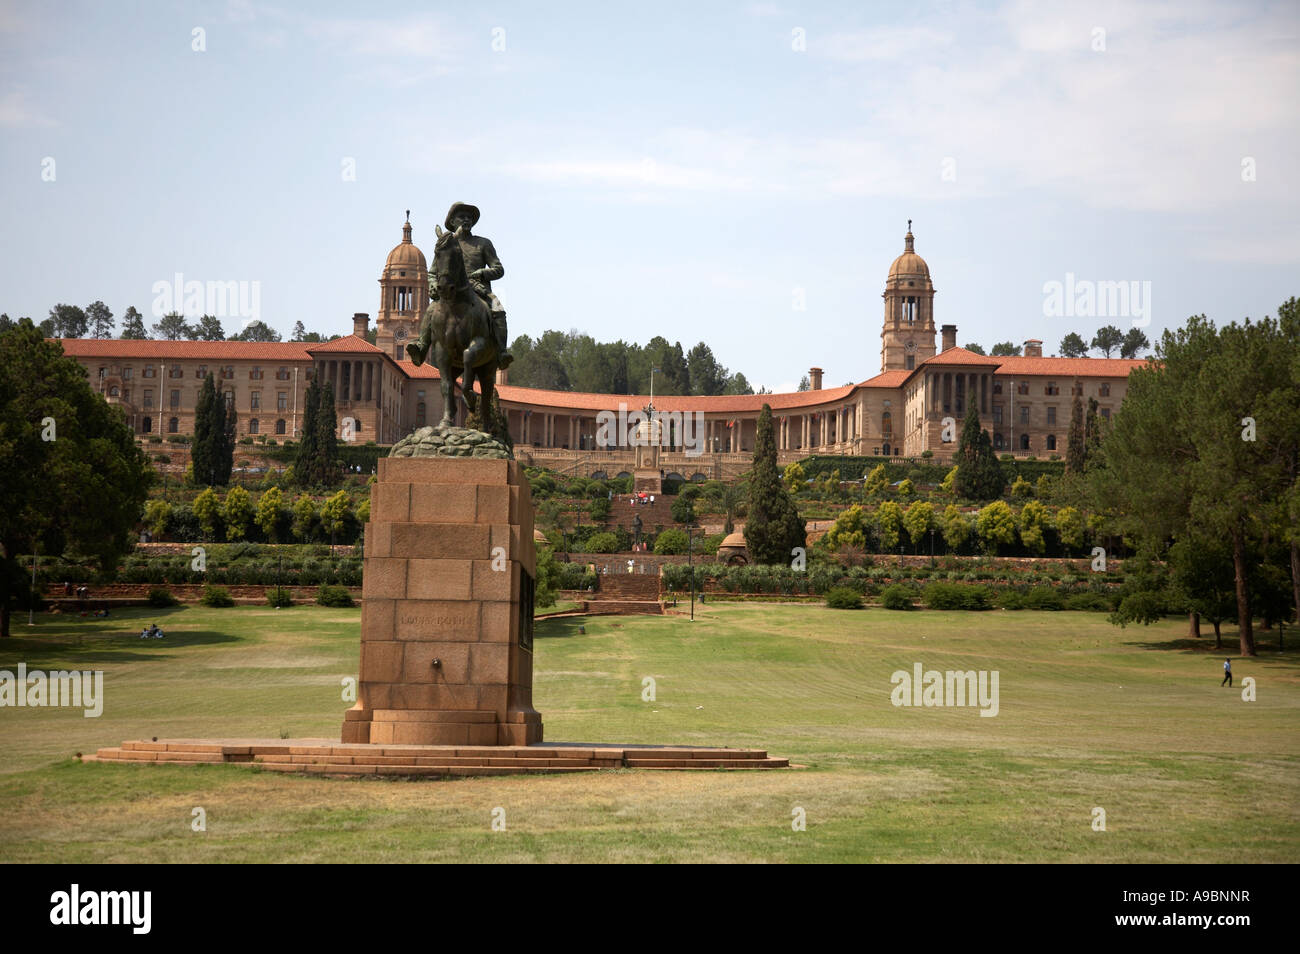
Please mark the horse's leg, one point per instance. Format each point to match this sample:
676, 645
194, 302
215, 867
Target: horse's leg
445, 382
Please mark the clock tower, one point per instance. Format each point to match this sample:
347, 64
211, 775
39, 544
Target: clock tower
907, 337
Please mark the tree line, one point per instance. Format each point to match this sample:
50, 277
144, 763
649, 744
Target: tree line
571, 361
96, 320
1107, 340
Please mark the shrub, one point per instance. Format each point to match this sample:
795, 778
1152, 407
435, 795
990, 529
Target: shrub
162, 458
599, 509
278, 596
604, 542
1044, 598
953, 596
1090, 602
161, 596
842, 597
335, 596
216, 596
896, 597
671, 541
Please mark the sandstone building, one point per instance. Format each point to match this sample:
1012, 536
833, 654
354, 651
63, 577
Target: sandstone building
1025, 402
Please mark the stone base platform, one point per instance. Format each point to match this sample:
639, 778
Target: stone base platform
328, 757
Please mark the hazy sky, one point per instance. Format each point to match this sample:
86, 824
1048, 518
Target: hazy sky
686, 169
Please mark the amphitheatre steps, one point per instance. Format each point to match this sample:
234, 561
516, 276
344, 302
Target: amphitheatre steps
326, 757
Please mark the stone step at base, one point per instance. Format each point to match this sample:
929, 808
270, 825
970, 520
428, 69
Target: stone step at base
624, 608
327, 757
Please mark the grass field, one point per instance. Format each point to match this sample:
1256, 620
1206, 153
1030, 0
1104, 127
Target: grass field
1132, 721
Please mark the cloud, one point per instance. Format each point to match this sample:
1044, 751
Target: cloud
15, 111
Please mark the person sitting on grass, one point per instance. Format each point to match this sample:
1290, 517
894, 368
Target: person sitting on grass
144, 632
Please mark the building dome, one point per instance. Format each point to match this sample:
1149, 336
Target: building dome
406, 255
909, 263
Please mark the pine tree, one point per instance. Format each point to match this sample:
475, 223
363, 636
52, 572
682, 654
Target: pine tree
979, 475
774, 527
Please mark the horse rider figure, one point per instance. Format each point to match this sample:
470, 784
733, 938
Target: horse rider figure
483, 266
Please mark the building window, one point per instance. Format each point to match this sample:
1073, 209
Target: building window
1051, 442
886, 426
1105, 412
1051, 388
126, 373
230, 398
228, 373
1024, 442
997, 387
1024, 414
1104, 391
175, 400
201, 371
252, 425
114, 391
1022, 387
997, 440
148, 397
279, 426
997, 413
126, 394
909, 362
149, 371
281, 400
255, 400
255, 374
146, 425
176, 372
1051, 417
174, 425
282, 374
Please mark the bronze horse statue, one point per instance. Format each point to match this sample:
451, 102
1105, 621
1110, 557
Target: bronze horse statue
457, 328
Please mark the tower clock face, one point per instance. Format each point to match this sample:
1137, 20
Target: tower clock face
400, 333
910, 346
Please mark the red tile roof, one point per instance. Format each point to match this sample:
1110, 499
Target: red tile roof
717, 404
1069, 367
961, 356
887, 379
143, 349
350, 344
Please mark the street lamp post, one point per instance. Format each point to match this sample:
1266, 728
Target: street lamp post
690, 565
932, 549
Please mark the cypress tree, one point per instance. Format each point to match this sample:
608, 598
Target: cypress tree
326, 436
223, 455
774, 527
1074, 448
201, 449
305, 461
979, 475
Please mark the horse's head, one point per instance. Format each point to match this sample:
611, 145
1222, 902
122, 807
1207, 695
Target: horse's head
448, 264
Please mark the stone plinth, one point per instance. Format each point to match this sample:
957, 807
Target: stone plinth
447, 606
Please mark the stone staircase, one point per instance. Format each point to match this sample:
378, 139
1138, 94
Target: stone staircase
626, 594
331, 758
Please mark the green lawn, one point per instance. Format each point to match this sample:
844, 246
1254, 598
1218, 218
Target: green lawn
1133, 721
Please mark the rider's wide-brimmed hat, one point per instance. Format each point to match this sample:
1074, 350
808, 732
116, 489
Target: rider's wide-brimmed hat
459, 207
